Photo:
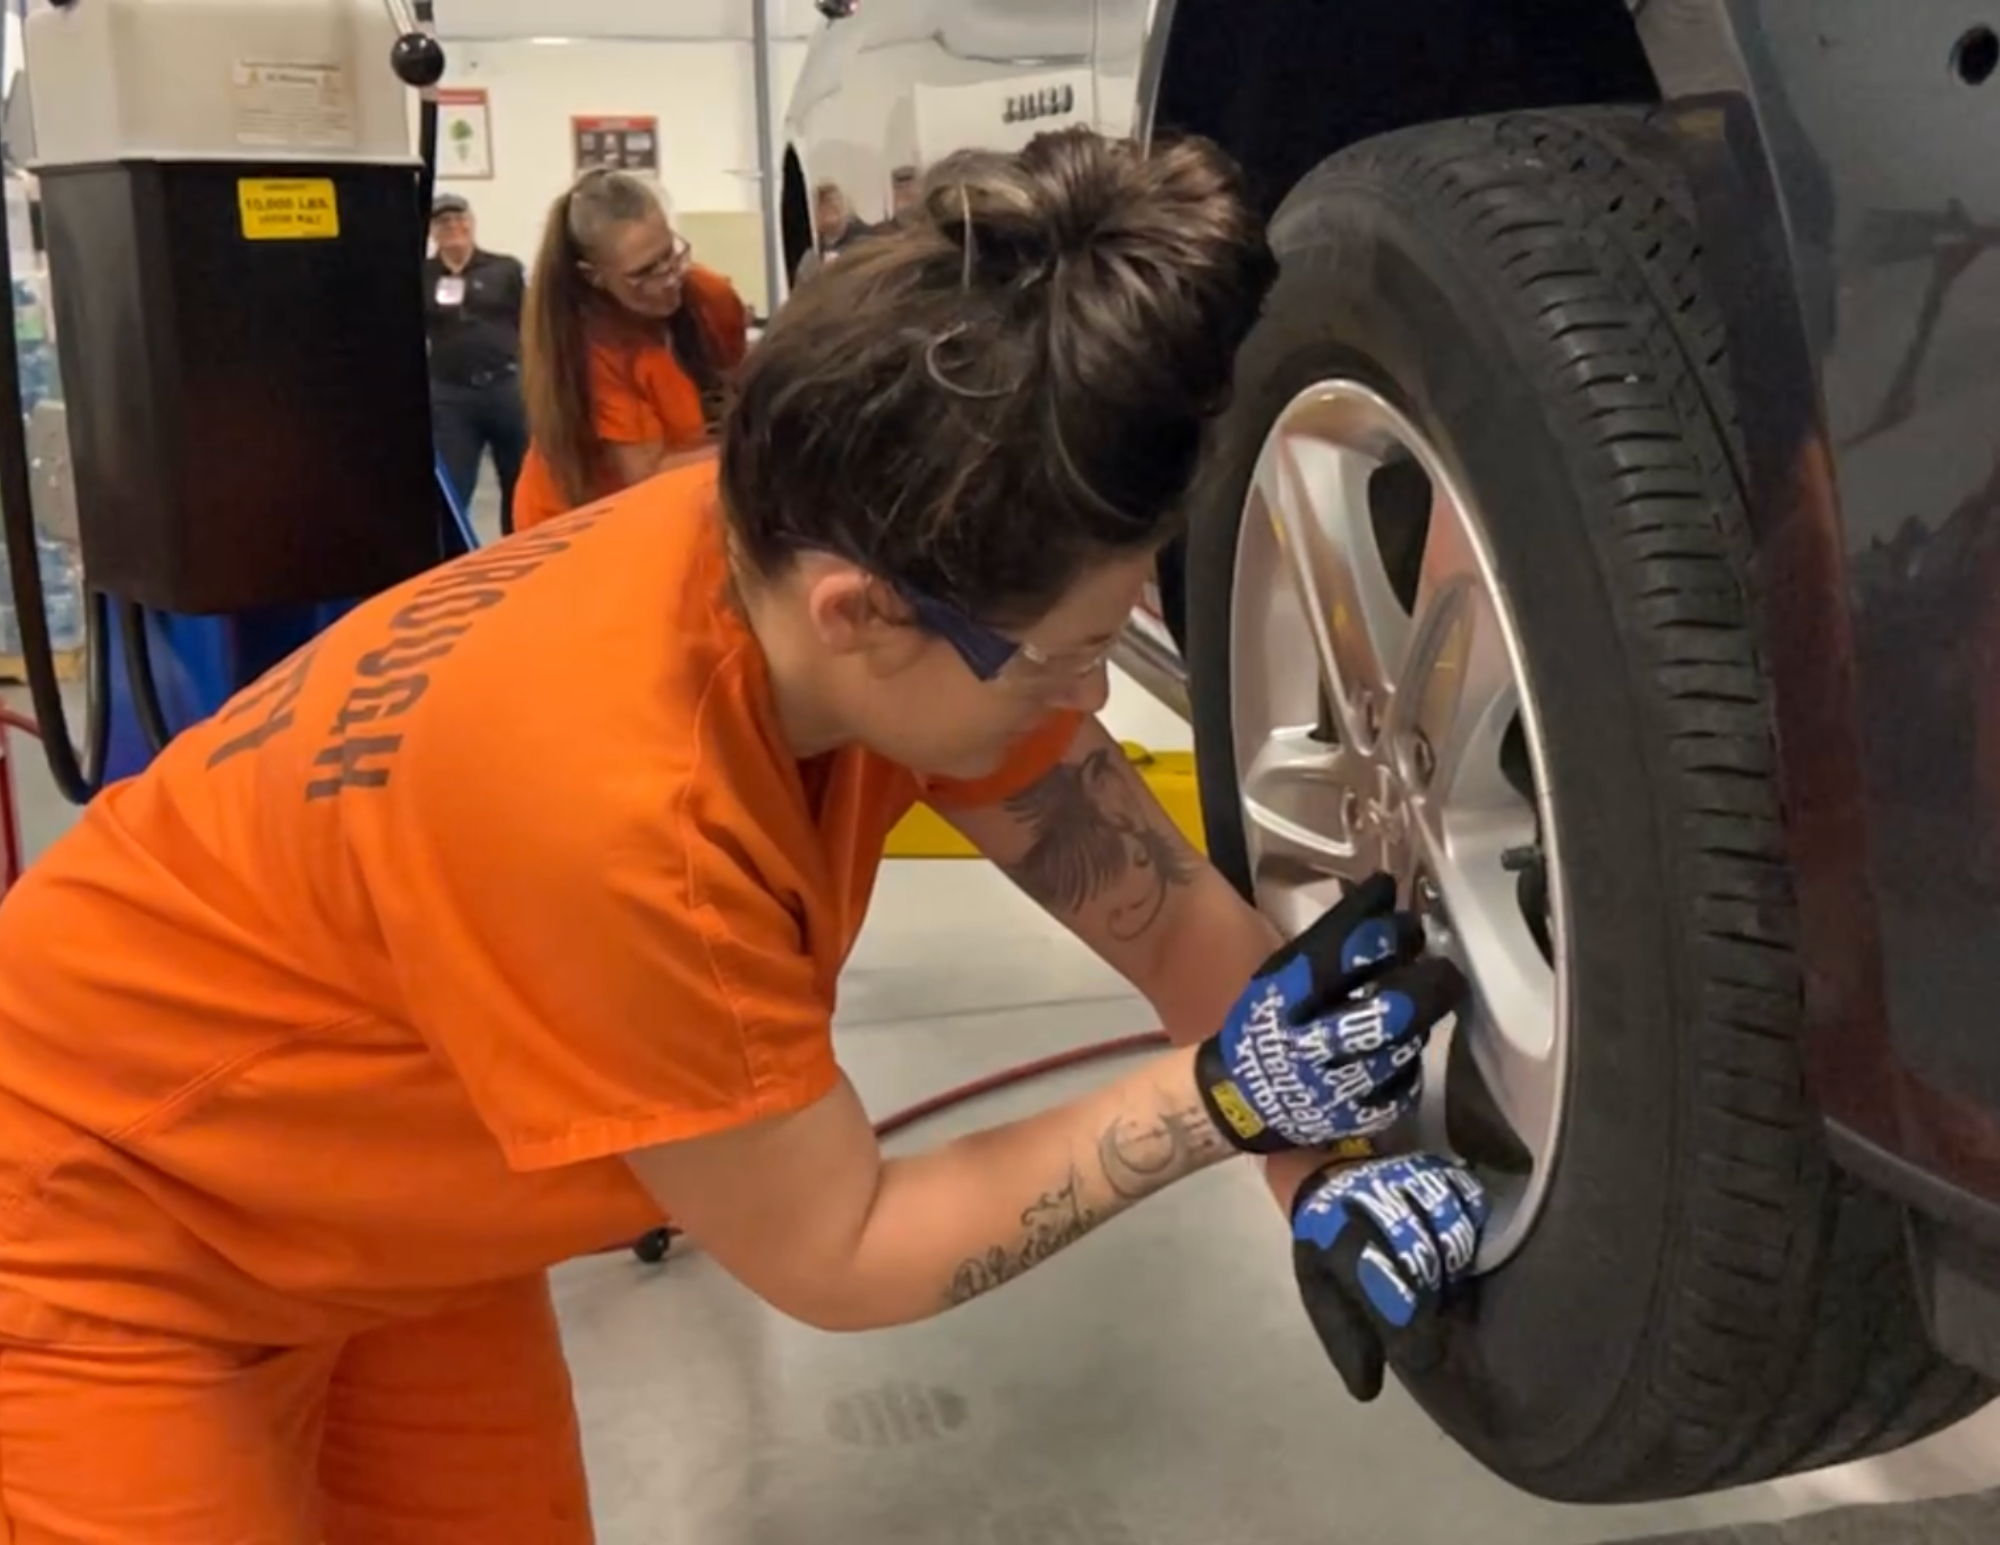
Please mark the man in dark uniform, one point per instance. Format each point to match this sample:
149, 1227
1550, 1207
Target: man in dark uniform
835, 229
472, 303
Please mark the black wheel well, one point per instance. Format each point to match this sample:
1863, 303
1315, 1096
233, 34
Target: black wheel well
794, 214
1283, 84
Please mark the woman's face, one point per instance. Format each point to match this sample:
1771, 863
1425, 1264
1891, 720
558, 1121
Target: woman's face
966, 726
641, 264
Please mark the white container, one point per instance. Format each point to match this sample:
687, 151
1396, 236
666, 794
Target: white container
215, 80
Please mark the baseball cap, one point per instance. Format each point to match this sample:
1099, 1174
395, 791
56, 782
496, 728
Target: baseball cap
449, 204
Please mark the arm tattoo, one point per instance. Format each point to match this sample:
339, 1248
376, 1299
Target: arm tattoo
1139, 1159
1095, 840
1054, 1222
1136, 1158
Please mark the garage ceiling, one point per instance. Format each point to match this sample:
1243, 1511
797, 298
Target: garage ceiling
681, 20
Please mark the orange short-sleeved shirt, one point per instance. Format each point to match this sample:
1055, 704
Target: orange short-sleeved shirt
640, 395
353, 999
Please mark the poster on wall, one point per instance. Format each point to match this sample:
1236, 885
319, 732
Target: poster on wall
465, 135
624, 144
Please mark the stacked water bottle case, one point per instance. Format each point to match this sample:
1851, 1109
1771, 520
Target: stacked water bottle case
62, 590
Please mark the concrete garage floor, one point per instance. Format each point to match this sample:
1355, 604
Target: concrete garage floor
1157, 1385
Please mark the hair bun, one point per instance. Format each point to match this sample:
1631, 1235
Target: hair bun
1083, 187
1074, 193
987, 400
1014, 217
1133, 265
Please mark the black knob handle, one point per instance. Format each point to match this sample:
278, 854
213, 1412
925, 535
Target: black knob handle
417, 59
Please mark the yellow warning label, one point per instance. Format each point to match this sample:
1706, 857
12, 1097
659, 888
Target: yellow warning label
288, 208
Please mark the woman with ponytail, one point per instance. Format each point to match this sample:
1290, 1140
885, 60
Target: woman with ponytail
626, 344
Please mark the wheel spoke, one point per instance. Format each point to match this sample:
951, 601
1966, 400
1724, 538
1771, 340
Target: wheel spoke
1321, 502
1525, 1090
1274, 662
1297, 802
1459, 693
1276, 498
1512, 1023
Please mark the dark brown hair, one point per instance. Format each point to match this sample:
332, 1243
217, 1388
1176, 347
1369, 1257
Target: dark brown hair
1016, 383
557, 316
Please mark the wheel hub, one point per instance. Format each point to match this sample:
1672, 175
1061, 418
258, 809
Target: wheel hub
1382, 722
1381, 824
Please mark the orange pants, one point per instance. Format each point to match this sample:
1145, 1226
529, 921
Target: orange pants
451, 1431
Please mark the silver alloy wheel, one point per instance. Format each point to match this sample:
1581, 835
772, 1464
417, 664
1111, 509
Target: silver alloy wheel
1375, 700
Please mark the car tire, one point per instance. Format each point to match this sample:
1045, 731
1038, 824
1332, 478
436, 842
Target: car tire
1703, 1301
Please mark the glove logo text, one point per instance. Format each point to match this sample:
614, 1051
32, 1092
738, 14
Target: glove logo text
1265, 1070
1235, 1110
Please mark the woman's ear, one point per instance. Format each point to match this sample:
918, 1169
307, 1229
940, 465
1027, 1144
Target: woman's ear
590, 274
854, 613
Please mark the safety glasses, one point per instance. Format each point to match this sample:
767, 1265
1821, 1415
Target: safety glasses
669, 266
989, 654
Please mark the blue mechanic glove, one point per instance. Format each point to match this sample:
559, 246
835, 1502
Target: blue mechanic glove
1376, 1249
1326, 1044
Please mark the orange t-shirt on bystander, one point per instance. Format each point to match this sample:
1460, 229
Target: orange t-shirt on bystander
352, 1002
640, 395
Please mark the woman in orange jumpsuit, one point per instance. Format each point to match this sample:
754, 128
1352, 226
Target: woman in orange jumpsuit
625, 343
508, 914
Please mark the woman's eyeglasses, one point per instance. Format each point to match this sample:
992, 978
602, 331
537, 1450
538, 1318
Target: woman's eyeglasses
989, 654
669, 266
993, 656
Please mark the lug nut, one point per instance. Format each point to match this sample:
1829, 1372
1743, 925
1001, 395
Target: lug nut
1423, 761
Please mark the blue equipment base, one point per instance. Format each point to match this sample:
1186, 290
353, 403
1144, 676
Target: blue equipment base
199, 663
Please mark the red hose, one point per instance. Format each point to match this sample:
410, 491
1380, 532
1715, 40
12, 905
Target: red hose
1007, 1078
923, 1110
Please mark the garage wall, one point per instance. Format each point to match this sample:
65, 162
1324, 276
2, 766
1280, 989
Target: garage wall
702, 92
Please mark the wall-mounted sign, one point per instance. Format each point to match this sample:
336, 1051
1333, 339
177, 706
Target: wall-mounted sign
465, 135
623, 144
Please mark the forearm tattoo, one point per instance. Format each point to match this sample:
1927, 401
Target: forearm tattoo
1097, 842
1134, 1160
1139, 1159
1052, 1223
